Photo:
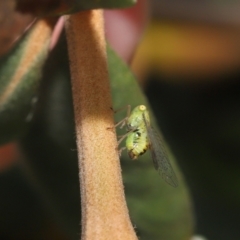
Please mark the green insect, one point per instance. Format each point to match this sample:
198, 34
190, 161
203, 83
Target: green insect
141, 137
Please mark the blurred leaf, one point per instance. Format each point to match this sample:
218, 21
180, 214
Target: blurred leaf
20, 73
12, 25
49, 146
60, 7
189, 52
23, 215
40, 7
77, 5
156, 208
202, 123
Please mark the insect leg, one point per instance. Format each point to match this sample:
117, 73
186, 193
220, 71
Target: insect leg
121, 150
122, 138
122, 123
125, 135
123, 108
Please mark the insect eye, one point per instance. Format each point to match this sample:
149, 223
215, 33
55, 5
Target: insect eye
142, 107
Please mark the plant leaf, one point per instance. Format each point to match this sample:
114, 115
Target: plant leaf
20, 73
155, 207
61, 7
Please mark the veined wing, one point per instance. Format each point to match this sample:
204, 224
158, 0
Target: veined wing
159, 156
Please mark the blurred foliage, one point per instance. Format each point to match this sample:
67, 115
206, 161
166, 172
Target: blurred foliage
192, 82
49, 162
18, 87
187, 51
155, 207
198, 113
59, 7
12, 25
51, 157
22, 212
201, 122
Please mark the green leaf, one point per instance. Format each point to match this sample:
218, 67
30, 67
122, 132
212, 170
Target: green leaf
18, 87
49, 145
158, 210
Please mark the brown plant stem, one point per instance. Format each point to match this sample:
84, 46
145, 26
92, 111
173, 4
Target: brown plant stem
104, 211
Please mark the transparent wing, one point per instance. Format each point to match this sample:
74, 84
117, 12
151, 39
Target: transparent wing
159, 156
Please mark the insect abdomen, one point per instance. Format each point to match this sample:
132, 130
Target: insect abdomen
137, 151
137, 144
